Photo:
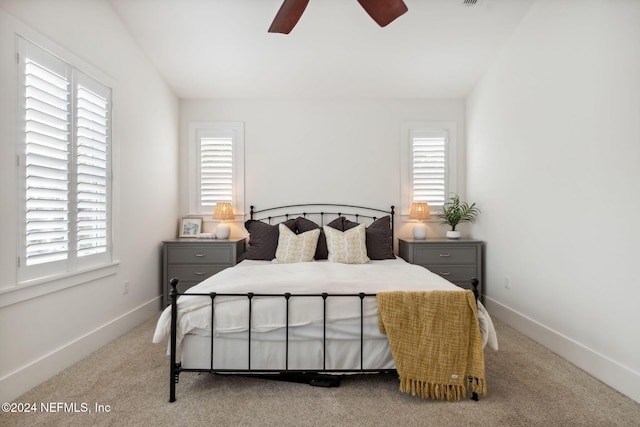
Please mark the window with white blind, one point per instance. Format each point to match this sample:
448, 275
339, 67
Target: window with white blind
429, 166
218, 166
64, 167
428, 163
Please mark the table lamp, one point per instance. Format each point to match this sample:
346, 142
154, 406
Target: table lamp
419, 211
223, 212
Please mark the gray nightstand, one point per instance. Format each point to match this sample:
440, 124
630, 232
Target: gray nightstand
193, 260
455, 260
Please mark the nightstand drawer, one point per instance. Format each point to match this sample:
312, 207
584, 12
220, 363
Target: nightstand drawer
193, 273
445, 255
457, 274
207, 254
458, 261
193, 260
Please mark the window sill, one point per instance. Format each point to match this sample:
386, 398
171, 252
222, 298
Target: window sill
433, 219
39, 287
238, 218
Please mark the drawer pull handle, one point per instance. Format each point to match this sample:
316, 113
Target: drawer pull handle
200, 255
445, 255
199, 273
446, 273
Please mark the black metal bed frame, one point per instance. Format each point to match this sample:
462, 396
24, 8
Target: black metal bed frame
322, 213
320, 377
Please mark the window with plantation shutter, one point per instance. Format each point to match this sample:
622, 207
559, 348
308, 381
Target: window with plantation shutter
47, 158
92, 157
429, 166
429, 163
65, 167
218, 166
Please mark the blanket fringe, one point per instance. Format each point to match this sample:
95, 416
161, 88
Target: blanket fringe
478, 385
449, 392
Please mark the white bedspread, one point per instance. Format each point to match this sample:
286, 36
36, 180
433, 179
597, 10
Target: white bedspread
231, 313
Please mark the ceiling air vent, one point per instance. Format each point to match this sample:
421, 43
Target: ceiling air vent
471, 2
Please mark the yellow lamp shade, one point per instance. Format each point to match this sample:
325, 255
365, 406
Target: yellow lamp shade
223, 211
419, 211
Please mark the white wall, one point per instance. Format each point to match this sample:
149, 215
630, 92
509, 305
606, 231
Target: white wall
330, 151
553, 160
43, 335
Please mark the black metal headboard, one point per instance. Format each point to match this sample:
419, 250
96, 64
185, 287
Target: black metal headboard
321, 211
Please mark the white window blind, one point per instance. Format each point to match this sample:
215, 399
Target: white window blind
429, 163
47, 162
92, 156
216, 159
66, 167
429, 166
216, 168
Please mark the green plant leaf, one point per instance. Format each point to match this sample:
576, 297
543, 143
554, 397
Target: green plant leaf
454, 212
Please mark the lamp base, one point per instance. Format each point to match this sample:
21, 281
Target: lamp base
223, 231
420, 231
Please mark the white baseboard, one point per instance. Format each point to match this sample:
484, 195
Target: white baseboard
610, 372
24, 379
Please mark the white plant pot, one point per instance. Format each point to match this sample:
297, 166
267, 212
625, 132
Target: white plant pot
453, 234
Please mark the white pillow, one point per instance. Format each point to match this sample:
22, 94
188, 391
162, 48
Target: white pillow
294, 247
348, 247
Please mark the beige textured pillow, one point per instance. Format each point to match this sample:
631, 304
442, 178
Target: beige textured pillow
294, 247
348, 247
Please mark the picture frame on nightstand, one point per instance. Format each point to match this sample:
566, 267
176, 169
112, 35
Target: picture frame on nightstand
190, 227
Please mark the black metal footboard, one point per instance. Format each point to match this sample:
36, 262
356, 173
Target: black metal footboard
176, 368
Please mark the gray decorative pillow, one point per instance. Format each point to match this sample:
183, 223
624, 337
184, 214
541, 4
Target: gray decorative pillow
263, 239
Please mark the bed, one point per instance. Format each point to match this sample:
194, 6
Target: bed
306, 302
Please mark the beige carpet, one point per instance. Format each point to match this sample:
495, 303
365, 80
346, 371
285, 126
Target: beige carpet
528, 386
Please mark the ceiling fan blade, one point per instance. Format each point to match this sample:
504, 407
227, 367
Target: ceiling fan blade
288, 16
384, 12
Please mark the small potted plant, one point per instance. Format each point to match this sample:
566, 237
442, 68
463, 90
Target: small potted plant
454, 212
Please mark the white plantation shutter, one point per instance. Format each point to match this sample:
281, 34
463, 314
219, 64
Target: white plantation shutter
216, 159
47, 133
216, 168
429, 166
429, 162
65, 170
92, 156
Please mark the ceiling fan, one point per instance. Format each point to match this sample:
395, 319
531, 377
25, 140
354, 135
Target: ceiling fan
382, 11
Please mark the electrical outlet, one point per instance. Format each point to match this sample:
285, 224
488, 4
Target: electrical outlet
507, 282
125, 287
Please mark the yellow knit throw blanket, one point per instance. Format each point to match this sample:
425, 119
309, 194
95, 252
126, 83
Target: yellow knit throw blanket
435, 341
